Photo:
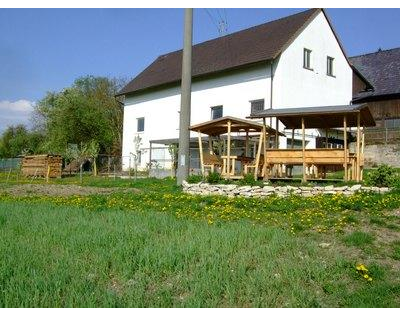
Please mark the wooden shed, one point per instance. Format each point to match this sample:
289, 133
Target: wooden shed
42, 166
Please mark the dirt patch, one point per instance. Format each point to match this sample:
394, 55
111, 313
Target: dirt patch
60, 190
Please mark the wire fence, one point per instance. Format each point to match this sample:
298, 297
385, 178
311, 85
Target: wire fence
103, 166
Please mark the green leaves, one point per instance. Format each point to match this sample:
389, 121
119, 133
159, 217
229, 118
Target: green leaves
86, 113
18, 140
384, 176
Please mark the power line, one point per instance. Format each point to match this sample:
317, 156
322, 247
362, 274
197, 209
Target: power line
223, 26
219, 14
212, 19
226, 17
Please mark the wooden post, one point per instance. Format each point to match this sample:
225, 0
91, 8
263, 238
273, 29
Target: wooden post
48, 174
228, 149
150, 150
210, 145
292, 146
326, 138
9, 173
358, 147
345, 147
276, 133
362, 152
258, 155
201, 154
246, 151
264, 132
303, 146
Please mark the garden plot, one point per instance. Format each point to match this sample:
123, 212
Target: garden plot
60, 190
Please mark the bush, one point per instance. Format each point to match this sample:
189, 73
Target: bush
396, 182
248, 179
214, 177
383, 176
194, 178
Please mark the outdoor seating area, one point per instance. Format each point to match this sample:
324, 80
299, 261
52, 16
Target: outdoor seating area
221, 156
314, 161
262, 156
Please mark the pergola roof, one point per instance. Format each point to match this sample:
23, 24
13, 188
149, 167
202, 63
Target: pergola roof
321, 116
220, 126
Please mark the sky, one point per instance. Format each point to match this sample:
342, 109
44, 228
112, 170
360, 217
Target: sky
45, 50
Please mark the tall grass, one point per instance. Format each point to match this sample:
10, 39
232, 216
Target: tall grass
54, 256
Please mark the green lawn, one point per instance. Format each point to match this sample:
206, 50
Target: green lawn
160, 248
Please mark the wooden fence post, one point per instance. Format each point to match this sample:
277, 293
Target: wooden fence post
8, 176
48, 174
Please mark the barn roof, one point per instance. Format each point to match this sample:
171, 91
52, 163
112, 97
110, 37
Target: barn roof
382, 69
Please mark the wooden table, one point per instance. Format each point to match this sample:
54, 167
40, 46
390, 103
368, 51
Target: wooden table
233, 159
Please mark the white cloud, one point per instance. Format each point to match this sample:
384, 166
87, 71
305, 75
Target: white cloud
12, 113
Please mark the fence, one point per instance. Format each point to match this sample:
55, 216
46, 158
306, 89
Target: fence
10, 163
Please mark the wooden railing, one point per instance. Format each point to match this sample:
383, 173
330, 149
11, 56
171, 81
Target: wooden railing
318, 156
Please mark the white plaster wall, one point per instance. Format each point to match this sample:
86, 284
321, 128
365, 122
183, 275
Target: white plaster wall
160, 108
295, 86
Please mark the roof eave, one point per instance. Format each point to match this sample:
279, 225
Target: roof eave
196, 77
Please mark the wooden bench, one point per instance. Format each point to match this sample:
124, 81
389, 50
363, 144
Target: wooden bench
211, 161
249, 166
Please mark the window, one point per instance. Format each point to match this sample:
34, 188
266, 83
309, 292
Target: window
257, 106
307, 59
140, 124
216, 112
329, 66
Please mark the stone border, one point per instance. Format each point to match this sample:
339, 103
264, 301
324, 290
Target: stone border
232, 190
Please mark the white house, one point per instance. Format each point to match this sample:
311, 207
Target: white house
295, 61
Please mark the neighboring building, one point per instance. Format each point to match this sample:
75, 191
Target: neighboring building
291, 62
380, 89
382, 70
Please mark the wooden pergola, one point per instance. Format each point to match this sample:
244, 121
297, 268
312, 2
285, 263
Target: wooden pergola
325, 117
228, 125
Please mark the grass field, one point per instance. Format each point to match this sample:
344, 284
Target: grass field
158, 247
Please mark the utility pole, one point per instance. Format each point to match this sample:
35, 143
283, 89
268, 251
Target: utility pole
186, 87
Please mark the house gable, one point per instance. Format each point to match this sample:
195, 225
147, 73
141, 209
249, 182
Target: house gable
294, 85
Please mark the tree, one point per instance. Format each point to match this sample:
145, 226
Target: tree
91, 150
18, 140
173, 152
85, 112
137, 154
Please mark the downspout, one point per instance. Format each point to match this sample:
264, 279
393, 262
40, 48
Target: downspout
271, 90
272, 82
